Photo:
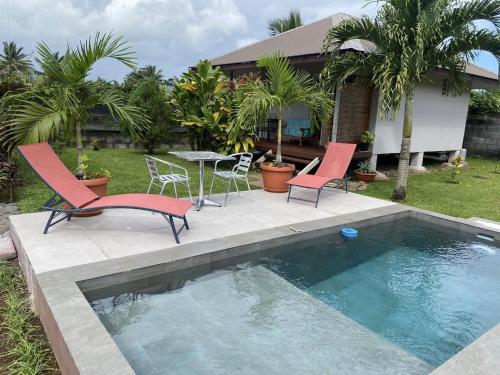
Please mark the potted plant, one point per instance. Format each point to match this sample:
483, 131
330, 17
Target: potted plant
281, 86
365, 171
367, 139
95, 180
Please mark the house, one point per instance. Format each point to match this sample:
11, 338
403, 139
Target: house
438, 117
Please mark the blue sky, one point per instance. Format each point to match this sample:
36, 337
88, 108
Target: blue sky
172, 34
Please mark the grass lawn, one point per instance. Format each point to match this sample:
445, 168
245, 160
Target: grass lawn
476, 194
129, 174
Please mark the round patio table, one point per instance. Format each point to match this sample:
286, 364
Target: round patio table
201, 157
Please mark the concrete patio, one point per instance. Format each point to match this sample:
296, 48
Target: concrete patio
124, 232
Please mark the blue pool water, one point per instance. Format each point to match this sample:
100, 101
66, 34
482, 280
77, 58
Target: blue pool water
402, 297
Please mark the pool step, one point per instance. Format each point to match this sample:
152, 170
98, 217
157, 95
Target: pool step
252, 321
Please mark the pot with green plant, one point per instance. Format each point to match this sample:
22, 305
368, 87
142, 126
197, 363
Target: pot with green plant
366, 141
280, 86
95, 179
365, 172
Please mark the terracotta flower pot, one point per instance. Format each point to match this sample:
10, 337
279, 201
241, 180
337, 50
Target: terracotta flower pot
366, 177
98, 186
275, 178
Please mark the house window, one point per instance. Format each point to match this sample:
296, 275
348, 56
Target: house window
445, 87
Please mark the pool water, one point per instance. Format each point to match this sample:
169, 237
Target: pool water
403, 297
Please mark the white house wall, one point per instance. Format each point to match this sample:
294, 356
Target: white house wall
438, 122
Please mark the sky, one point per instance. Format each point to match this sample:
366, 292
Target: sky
171, 34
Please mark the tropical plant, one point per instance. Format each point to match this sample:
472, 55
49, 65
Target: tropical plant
24, 349
95, 144
133, 79
484, 101
280, 25
456, 164
367, 137
409, 39
8, 177
281, 86
202, 105
365, 167
153, 99
65, 101
85, 170
15, 67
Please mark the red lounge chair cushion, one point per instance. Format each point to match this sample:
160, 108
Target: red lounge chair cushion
337, 158
334, 165
309, 181
51, 169
153, 202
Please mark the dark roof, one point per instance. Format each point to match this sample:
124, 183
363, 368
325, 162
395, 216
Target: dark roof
308, 40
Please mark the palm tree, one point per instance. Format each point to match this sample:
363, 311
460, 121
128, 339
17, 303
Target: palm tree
151, 72
15, 68
281, 87
13, 61
65, 99
133, 79
280, 25
411, 38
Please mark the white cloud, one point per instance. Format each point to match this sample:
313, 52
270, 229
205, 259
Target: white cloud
245, 42
172, 34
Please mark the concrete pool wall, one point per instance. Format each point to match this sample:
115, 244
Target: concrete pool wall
83, 346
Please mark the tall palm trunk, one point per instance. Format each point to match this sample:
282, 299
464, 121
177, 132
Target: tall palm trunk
399, 193
79, 148
279, 160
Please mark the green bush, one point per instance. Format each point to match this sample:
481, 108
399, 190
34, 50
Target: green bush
152, 97
484, 101
25, 349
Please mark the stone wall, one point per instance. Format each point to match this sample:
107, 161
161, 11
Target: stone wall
113, 138
482, 135
354, 112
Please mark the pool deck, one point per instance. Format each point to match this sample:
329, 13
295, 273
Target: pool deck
123, 232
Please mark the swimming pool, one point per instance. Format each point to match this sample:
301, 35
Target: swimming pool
403, 297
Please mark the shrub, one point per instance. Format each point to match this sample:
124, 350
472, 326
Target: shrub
205, 102
150, 96
8, 177
484, 101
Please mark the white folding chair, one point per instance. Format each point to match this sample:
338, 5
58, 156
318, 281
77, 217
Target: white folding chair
238, 172
162, 180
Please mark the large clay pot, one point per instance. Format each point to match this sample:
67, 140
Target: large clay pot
98, 186
366, 177
275, 178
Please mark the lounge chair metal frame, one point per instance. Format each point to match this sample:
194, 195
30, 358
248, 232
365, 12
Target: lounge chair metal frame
54, 201
346, 180
335, 164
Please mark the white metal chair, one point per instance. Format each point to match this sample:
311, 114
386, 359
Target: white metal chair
162, 180
238, 172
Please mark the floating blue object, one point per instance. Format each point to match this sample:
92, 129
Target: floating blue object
349, 232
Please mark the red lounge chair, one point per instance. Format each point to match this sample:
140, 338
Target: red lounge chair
67, 187
334, 166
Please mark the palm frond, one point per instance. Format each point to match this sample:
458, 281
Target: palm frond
102, 46
354, 28
131, 118
32, 120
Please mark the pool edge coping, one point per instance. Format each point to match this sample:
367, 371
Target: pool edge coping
58, 294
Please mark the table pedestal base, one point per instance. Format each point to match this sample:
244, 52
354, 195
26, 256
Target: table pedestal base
199, 203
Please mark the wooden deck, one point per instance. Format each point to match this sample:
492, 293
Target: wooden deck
294, 153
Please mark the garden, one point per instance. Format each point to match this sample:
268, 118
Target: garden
52, 99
